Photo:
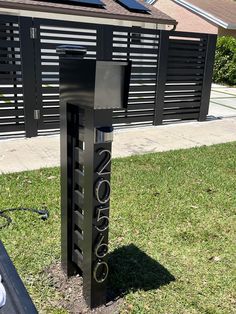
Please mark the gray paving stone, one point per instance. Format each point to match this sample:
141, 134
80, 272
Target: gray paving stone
231, 102
218, 95
219, 111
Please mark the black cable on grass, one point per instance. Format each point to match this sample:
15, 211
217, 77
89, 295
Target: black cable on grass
44, 214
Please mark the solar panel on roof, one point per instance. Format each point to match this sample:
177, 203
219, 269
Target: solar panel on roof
133, 5
91, 3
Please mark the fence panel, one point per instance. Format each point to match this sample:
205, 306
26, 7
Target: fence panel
12, 115
187, 61
170, 78
50, 34
141, 46
106, 43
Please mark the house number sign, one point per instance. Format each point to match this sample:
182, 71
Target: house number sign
102, 192
97, 192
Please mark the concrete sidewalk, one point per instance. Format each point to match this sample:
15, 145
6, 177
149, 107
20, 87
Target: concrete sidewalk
27, 154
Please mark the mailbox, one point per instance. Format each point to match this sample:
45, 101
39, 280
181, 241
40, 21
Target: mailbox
89, 91
91, 83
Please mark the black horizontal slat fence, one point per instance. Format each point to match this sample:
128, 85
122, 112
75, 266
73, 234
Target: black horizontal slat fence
142, 49
12, 113
186, 60
170, 77
50, 35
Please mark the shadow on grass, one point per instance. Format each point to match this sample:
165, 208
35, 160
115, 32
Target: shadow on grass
131, 269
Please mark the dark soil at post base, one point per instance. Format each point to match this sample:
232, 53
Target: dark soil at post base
71, 292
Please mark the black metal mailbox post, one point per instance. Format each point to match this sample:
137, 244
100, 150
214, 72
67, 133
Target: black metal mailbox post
89, 91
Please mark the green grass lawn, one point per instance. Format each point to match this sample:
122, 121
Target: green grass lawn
172, 231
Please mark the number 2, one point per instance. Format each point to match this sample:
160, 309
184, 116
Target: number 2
105, 162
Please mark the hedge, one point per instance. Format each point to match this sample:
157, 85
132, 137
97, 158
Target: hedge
225, 61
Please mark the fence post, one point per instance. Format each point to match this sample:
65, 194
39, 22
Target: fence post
28, 75
207, 78
161, 76
104, 42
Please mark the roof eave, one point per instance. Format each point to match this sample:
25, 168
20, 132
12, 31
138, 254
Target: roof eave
49, 9
213, 19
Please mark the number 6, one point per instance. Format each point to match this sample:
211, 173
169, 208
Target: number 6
101, 249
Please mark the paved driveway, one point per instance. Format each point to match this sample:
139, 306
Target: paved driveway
223, 101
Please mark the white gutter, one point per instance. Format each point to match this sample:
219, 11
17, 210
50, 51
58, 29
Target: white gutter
205, 14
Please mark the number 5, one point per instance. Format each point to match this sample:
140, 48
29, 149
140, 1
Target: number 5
103, 219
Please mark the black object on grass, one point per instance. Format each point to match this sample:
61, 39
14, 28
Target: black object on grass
18, 300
